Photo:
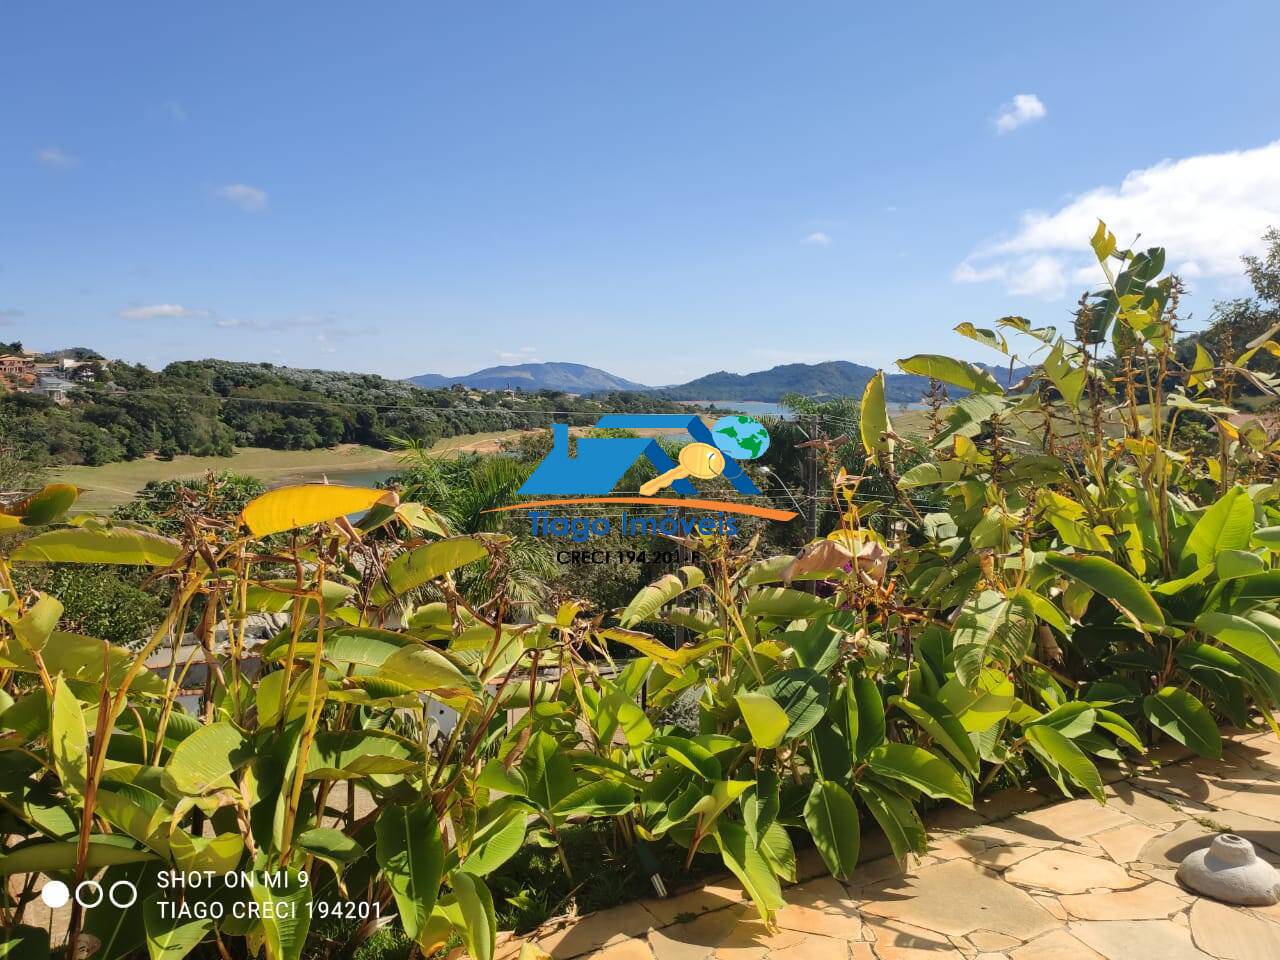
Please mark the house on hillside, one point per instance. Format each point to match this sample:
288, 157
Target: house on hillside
17, 372
54, 388
14, 365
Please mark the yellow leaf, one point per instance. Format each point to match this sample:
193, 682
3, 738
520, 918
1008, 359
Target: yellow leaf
874, 422
300, 506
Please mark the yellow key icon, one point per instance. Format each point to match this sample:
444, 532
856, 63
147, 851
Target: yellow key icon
700, 460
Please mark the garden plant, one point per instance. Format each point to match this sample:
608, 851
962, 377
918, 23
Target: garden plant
1093, 576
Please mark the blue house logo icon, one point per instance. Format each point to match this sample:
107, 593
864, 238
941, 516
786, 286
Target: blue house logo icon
600, 462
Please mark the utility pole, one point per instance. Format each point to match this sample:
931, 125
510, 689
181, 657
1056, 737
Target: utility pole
811, 482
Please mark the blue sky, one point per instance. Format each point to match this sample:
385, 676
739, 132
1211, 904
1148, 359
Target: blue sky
660, 189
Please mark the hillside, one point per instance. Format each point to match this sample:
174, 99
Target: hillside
210, 407
835, 378
530, 377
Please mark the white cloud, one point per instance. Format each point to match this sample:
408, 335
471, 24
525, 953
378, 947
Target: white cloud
327, 325
325, 345
55, 158
1022, 109
162, 311
247, 198
523, 355
817, 238
1208, 211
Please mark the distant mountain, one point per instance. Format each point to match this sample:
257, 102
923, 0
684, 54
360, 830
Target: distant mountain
530, 377
835, 378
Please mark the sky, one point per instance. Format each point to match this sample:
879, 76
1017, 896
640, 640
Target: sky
660, 189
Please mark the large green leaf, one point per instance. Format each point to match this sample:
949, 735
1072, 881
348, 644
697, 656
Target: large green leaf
783, 603
34, 627
548, 775
922, 770
427, 670
802, 695
743, 858
43, 507
1071, 719
689, 754
767, 721
646, 604
617, 708
275, 596
865, 715
897, 818
205, 760
285, 909
1065, 754
1225, 525
169, 938
120, 931
344, 754
82, 658
1111, 581
60, 856
138, 812
817, 646
991, 629
599, 798
499, 838
1243, 636
1185, 719
942, 725
984, 705
332, 846
470, 910
1238, 565
832, 819
775, 846
1120, 728
122, 546
952, 371
928, 474
411, 854
69, 740
424, 564
874, 421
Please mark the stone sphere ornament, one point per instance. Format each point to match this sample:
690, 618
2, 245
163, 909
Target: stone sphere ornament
1231, 871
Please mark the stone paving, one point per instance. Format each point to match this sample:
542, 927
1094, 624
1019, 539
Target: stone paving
1020, 878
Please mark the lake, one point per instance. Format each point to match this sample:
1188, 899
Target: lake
765, 408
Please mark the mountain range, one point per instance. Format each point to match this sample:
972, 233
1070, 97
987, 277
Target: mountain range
834, 378
529, 377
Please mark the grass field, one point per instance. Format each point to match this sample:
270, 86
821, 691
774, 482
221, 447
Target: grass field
110, 485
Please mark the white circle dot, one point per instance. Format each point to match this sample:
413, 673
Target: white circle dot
55, 894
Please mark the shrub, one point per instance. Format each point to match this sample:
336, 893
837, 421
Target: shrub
1075, 586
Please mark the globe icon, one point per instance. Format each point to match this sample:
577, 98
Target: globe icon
741, 437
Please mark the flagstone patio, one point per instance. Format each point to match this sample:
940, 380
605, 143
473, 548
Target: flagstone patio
1020, 878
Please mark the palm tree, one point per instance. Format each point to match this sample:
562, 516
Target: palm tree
466, 490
